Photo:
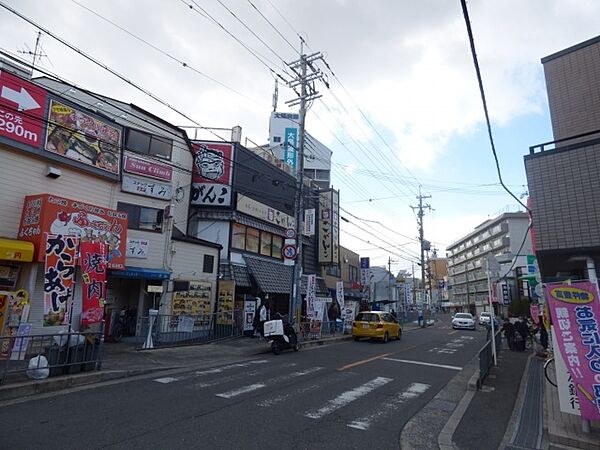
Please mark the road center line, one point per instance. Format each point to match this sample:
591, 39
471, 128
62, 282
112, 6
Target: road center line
243, 390
421, 363
364, 361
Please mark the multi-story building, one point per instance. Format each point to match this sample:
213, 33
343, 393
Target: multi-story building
563, 175
500, 237
435, 275
86, 166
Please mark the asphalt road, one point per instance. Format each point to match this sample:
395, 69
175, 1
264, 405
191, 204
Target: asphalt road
346, 395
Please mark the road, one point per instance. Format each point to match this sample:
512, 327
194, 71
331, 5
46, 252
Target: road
346, 395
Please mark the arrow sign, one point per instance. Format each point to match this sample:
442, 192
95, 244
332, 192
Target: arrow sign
21, 98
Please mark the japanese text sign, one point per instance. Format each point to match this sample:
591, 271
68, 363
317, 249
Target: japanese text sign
575, 310
150, 169
51, 214
146, 187
58, 278
339, 293
22, 110
137, 248
93, 276
212, 174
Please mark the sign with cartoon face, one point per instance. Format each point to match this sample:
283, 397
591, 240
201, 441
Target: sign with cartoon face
212, 173
49, 214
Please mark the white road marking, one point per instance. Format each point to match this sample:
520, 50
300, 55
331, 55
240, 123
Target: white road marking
347, 397
454, 345
166, 380
230, 366
223, 379
242, 390
254, 387
421, 363
413, 391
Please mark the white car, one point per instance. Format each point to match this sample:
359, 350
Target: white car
485, 317
463, 320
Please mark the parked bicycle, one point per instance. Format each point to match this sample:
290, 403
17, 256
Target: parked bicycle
550, 371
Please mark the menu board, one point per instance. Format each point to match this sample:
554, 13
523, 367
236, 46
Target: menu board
225, 302
195, 301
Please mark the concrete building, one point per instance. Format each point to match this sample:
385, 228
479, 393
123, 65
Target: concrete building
100, 170
435, 275
499, 238
562, 175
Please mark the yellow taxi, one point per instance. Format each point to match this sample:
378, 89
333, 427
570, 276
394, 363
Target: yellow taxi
376, 324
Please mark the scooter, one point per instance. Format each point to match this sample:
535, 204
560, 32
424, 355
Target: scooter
281, 334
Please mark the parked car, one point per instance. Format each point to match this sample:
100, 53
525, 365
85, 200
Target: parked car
376, 324
463, 320
485, 317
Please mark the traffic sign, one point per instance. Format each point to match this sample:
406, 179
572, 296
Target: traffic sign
290, 233
289, 251
22, 109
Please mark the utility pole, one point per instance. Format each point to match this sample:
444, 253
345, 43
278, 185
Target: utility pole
389, 278
308, 93
424, 243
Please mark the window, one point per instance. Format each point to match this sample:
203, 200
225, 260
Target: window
266, 240
238, 237
209, 263
276, 248
142, 217
148, 144
354, 273
252, 240
276, 138
334, 271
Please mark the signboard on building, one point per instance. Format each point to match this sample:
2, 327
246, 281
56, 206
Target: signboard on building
93, 277
290, 147
196, 301
212, 174
328, 241
225, 302
49, 214
249, 311
311, 294
575, 309
137, 248
22, 110
309, 222
59, 271
140, 166
147, 188
264, 212
83, 136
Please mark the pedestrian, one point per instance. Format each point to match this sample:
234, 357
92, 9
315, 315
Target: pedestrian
333, 313
420, 317
521, 334
509, 333
543, 333
262, 313
393, 313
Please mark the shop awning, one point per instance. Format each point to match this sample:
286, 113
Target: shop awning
271, 277
14, 250
141, 273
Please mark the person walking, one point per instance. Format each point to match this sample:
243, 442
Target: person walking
521, 334
333, 313
509, 333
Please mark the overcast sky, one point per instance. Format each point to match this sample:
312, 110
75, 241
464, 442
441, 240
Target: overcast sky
406, 65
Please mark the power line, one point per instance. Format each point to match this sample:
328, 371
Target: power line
484, 101
274, 27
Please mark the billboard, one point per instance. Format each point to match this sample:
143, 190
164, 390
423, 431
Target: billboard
83, 137
212, 174
50, 214
59, 271
329, 235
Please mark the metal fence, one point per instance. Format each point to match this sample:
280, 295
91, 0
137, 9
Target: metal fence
170, 331
39, 356
486, 358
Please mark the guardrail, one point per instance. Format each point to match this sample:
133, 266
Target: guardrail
39, 356
170, 330
486, 358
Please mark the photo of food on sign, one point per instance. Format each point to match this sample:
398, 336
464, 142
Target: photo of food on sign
89, 227
79, 136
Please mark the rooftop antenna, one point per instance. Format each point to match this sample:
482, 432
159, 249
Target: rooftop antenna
275, 96
37, 54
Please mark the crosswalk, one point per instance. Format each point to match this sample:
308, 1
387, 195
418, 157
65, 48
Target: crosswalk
306, 386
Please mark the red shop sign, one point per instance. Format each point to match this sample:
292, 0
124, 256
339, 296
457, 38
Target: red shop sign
149, 169
22, 110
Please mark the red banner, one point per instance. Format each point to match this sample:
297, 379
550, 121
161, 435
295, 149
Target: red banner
58, 278
93, 277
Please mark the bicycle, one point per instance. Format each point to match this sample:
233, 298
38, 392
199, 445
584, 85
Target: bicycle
550, 371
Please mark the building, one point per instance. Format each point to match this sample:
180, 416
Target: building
436, 272
563, 174
498, 238
86, 168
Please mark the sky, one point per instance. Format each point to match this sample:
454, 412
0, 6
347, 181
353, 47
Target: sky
402, 112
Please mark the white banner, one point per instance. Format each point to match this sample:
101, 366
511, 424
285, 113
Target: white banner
311, 294
339, 293
137, 248
567, 392
309, 222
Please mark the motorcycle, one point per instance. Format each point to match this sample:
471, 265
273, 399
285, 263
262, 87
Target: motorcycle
281, 334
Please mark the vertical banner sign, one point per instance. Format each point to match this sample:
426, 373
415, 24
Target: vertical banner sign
364, 273
225, 302
348, 314
249, 311
325, 240
575, 310
290, 149
567, 392
335, 225
58, 278
93, 277
339, 293
311, 295
19, 349
212, 174
505, 295
4, 299
309, 222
